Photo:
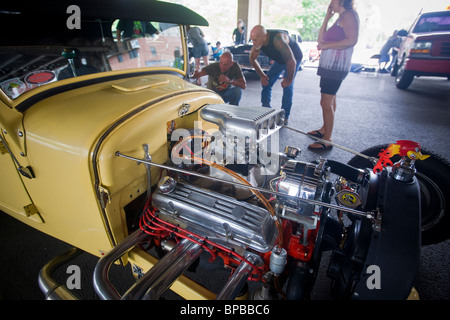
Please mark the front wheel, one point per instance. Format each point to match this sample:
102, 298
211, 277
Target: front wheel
433, 175
403, 78
394, 70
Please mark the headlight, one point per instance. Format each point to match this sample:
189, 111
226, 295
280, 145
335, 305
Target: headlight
421, 47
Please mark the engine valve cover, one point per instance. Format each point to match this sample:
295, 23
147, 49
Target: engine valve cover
222, 219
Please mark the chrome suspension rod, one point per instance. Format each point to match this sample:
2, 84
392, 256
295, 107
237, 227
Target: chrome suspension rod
371, 159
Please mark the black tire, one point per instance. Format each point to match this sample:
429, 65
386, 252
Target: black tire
394, 70
403, 78
433, 175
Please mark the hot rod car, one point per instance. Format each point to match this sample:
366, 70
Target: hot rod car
107, 146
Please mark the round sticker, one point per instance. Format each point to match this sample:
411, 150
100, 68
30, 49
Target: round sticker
348, 198
40, 77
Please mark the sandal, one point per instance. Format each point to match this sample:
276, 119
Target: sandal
321, 146
316, 133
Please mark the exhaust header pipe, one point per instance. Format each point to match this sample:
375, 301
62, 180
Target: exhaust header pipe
157, 280
49, 286
237, 280
102, 285
164, 273
160, 278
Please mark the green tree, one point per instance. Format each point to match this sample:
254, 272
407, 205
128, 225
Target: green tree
304, 16
311, 18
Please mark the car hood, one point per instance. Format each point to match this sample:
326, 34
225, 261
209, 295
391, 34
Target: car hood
240, 49
432, 36
74, 119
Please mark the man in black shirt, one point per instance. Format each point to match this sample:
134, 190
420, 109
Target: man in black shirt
225, 78
286, 53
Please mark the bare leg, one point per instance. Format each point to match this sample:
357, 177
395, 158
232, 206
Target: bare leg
205, 60
198, 68
328, 104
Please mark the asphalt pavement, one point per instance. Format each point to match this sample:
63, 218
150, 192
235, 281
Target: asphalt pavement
370, 111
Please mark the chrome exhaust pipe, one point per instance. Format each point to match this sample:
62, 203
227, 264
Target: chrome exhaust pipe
238, 279
102, 285
51, 289
160, 278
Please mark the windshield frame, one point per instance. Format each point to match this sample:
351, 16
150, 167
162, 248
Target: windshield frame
16, 86
47, 23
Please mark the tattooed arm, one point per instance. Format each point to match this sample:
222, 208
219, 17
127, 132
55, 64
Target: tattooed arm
281, 43
253, 57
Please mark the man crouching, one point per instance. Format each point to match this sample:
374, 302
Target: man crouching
225, 78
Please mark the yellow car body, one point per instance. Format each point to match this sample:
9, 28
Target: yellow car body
80, 187
75, 189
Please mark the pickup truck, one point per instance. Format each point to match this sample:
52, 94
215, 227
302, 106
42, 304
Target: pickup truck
425, 51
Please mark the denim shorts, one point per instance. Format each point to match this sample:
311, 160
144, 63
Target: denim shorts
200, 51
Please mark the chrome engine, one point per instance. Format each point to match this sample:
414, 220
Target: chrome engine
240, 224
223, 202
268, 215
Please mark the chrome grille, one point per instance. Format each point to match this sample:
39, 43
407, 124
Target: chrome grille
445, 49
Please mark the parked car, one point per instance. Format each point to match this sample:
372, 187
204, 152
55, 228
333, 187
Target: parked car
241, 53
425, 51
106, 145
